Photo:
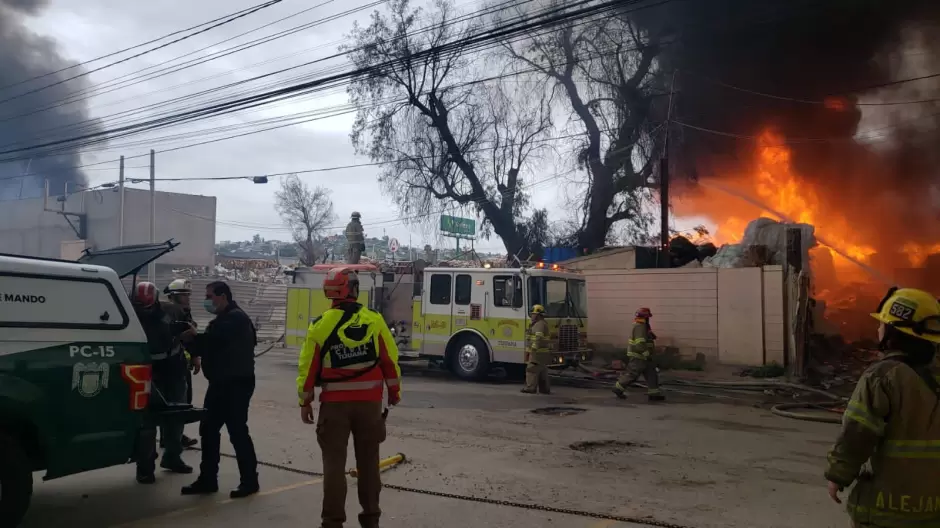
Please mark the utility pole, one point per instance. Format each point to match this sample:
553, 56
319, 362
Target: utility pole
664, 184
152, 268
121, 200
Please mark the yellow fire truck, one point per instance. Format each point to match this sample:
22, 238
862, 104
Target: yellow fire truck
471, 319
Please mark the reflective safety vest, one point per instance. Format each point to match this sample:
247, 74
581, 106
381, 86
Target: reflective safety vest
893, 422
641, 344
350, 355
538, 337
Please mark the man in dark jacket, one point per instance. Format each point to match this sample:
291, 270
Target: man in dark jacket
169, 366
226, 353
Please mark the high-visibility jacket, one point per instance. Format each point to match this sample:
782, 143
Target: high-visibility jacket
538, 339
641, 343
361, 358
893, 422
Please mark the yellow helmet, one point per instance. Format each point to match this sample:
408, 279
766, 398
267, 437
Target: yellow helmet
914, 312
538, 309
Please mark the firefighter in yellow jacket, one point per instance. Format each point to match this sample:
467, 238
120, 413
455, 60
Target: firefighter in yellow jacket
640, 355
351, 356
893, 422
537, 355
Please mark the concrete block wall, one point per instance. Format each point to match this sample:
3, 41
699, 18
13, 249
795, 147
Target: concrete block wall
684, 303
773, 315
732, 316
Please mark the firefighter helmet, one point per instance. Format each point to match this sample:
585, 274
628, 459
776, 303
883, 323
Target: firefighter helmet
340, 284
538, 309
914, 312
356, 215
145, 294
179, 287
644, 313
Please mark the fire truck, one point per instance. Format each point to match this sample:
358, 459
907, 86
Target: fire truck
469, 319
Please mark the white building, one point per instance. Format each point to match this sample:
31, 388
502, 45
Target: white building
27, 229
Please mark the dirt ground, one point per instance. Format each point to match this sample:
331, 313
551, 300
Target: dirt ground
689, 462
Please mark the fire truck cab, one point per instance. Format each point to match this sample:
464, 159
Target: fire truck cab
475, 318
470, 319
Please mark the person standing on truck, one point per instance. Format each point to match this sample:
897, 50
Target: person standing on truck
168, 380
355, 239
350, 354
537, 355
891, 424
640, 355
226, 353
179, 292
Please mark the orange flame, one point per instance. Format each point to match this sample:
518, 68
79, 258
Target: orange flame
771, 181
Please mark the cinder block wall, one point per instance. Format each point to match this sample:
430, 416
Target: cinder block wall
687, 312
684, 304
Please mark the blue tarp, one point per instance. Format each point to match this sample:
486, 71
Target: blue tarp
558, 254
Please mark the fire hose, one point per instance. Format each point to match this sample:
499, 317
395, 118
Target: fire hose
784, 410
399, 458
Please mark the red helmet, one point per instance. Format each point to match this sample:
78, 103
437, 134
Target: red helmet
340, 283
644, 313
145, 294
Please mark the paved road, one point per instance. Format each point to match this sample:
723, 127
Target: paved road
695, 464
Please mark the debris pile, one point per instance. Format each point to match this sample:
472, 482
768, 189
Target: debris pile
764, 243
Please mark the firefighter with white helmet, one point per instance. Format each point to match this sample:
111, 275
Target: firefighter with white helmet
349, 353
179, 292
891, 424
537, 355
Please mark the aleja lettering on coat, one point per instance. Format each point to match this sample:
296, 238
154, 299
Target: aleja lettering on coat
907, 503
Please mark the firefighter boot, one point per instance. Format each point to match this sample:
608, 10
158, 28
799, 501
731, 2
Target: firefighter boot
619, 391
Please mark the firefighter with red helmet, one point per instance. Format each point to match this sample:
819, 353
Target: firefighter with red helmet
640, 355
169, 366
349, 353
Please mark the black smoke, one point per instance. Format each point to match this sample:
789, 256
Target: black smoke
813, 50
24, 56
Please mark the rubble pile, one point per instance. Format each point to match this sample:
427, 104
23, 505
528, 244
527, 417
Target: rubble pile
764, 243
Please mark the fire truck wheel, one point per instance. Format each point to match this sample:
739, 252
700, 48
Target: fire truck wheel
469, 358
16, 481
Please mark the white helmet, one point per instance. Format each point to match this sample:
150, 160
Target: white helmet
179, 287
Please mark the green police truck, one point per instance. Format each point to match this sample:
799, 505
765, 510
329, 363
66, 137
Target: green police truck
74, 370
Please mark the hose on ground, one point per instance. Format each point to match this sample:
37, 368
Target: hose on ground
757, 385
783, 410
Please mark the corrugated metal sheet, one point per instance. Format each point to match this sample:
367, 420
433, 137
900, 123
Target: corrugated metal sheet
266, 304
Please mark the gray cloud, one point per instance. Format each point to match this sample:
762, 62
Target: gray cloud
24, 56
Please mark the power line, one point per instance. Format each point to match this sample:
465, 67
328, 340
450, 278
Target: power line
151, 50
118, 52
863, 134
824, 102
385, 224
292, 91
216, 55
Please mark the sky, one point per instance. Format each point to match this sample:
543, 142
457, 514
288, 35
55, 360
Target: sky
91, 28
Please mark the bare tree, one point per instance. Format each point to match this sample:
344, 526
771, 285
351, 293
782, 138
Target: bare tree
447, 133
607, 70
307, 212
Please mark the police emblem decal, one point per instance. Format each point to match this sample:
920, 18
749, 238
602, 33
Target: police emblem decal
90, 378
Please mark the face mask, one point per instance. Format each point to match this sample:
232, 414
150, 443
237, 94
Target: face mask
207, 304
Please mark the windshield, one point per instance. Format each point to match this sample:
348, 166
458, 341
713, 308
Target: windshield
577, 289
560, 297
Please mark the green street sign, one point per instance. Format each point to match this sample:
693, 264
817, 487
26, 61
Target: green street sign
451, 225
